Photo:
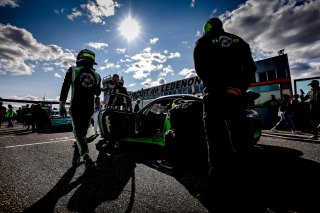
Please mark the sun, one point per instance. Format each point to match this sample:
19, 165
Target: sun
129, 28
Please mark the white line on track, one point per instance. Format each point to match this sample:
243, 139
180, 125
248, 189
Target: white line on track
31, 144
8, 136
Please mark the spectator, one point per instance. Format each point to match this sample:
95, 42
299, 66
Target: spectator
19, 114
27, 116
296, 110
314, 96
273, 106
97, 109
3, 110
85, 82
285, 115
137, 106
9, 115
224, 63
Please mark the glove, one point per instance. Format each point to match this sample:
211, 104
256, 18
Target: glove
62, 109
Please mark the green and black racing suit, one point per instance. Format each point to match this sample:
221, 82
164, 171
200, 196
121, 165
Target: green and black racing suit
85, 84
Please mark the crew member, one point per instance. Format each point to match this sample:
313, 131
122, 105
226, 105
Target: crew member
85, 83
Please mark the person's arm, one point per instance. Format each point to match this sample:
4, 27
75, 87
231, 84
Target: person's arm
199, 59
97, 91
64, 92
302, 97
249, 66
66, 85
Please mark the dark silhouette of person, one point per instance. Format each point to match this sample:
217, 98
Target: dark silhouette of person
117, 102
137, 106
3, 111
314, 97
273, 107
224, 63
85, 83
296, 111
285, 112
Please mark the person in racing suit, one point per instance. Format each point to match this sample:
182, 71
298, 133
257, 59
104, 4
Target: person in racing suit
85, 83
224, 63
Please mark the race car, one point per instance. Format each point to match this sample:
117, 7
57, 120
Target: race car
172, 121
58, 121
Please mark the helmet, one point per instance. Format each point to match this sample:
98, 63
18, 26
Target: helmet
86, 55
314, 83
212, 24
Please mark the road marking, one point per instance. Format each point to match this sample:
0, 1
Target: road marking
8, 136
31, 144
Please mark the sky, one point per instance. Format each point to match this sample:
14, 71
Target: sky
39, 40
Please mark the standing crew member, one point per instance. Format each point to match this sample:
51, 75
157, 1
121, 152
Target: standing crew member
224, 63
116, 102
85, 83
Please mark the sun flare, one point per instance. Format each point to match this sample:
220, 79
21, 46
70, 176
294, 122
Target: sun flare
129, 28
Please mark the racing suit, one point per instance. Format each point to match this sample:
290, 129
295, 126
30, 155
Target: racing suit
85, 84
224, 63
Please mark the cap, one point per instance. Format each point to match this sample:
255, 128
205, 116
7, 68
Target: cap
213, 24
314, 82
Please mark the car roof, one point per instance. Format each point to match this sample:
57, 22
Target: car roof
179, 96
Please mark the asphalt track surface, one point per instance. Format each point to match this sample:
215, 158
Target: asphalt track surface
281, 174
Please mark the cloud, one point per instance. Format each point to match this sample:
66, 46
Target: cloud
187, 73
193, 3
47, 69
28, 97
149, 83
20, 52
147, 61
57, 75
75, 13
153, 40
9, 3
99, 9
269, 26
121, 50
97, 45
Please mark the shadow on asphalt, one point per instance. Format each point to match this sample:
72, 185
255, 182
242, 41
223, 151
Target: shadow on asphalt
101, 183
11, 131
265, 179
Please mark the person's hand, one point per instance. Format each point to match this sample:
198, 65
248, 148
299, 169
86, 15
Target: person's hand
62, 109
232, 95
233, 92
301, 92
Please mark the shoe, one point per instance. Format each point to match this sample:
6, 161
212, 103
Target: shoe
87, 160
296, 131
76, 162
274, 130
314, 137
110, 146
166, 164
